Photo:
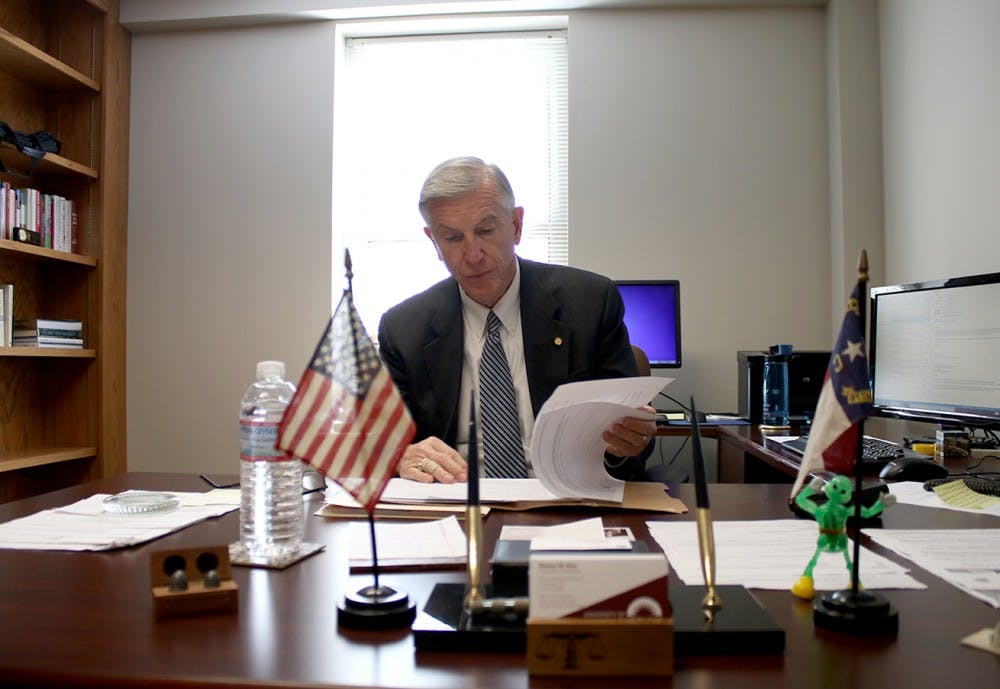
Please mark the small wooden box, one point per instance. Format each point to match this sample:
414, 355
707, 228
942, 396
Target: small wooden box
197, 599
611, 647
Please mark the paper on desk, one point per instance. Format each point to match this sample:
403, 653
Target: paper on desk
913, 493
583, 534
84, 525
968, 559
567, 450
591, 528
399, 544
771, 554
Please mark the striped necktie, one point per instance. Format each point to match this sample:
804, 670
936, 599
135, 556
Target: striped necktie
503, 453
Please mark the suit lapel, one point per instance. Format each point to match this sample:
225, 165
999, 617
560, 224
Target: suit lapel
546, 338
443, 359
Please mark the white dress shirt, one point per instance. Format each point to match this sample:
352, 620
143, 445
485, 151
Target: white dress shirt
508, 310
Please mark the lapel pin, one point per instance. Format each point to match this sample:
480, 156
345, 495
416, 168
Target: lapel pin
557, 341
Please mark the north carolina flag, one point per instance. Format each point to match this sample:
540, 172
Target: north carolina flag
348, 419
845, 399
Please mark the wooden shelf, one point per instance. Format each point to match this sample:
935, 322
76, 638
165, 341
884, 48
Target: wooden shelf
48, 352
13, 461
24, 61
52, 164
41, 253
64, 68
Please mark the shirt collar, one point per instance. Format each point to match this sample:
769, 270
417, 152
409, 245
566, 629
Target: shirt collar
507, 309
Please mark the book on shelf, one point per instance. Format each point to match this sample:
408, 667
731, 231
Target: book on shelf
7, 332
48, 332
30, 216
48, 342
3, 319
65, 324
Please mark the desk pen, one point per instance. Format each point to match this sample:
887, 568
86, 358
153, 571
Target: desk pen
473, 516
706, 539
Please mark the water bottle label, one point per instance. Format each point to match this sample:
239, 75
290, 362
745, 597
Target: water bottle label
258, 442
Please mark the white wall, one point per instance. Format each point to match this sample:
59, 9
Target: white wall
699, 150
941, 86
941, 122
229, 229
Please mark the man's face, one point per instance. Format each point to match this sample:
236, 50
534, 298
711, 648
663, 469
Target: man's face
475, 237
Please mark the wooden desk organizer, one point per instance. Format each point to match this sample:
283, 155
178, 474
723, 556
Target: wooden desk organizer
197, 599
608, 647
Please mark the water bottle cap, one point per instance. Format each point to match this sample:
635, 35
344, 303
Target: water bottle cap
271, 368
781, 349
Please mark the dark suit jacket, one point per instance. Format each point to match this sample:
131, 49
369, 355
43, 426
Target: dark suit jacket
571, 324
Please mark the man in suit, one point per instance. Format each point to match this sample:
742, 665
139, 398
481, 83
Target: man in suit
558, 325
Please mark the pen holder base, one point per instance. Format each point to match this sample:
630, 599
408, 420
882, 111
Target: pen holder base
192, 581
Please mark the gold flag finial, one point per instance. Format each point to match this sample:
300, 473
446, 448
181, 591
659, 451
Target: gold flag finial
863, 267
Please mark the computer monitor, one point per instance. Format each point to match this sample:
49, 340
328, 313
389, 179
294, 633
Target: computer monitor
653, 319
935, 351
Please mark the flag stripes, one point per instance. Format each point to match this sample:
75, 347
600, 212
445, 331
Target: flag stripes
348, 419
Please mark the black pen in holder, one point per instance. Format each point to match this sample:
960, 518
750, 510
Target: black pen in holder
706, 538
473, 517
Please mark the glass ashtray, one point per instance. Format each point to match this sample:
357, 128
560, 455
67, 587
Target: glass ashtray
141, 502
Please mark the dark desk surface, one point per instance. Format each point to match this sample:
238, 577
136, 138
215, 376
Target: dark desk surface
85, 619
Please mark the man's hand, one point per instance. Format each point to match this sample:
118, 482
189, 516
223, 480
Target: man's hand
629, 436
432, 460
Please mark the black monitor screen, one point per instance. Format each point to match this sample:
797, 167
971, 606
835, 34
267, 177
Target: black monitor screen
935, 351
653, 319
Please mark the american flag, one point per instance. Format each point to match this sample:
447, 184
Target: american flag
348, 419
844, 401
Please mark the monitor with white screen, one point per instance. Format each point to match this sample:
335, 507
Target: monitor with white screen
653, 319
935, 351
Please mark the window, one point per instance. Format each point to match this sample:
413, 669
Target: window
402, 105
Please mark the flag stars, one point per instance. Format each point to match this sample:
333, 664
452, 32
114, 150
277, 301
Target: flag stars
853, 350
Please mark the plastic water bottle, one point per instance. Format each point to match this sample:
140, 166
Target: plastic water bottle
270, 481
775, 406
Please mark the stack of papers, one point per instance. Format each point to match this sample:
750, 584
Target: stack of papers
403, 545
84, 525
527, 493
567, 447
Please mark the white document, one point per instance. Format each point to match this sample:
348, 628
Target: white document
913, 493
968, 559
586, 529
567, 450
491, 490
84, 525
772, 554
404, 543
584, 534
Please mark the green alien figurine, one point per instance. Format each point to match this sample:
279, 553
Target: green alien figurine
832, 519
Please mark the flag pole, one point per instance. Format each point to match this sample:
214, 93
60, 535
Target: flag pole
349, 293
858, 469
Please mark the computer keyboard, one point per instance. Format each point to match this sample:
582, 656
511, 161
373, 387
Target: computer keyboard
878, 450
986, 486
874, 451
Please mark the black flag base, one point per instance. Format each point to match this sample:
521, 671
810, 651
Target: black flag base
376, 607
856, 612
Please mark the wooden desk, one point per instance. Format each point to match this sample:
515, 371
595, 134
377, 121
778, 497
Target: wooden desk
747, 456
86, 619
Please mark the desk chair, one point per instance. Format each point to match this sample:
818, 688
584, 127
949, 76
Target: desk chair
657, 473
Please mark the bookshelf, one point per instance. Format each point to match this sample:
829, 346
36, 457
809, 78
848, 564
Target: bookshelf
64, 68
